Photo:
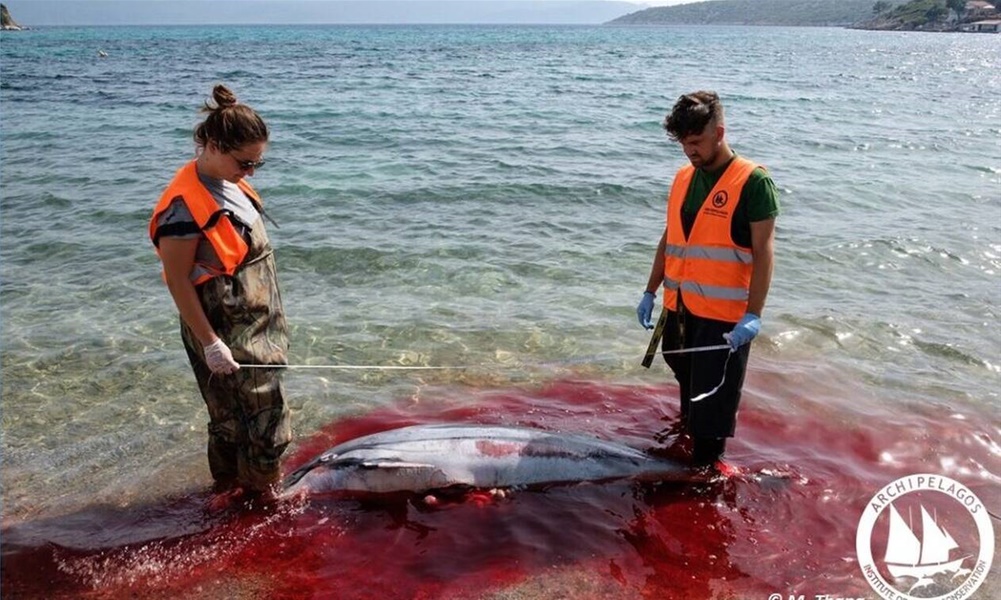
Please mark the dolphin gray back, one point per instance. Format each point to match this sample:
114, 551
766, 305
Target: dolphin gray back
422, 457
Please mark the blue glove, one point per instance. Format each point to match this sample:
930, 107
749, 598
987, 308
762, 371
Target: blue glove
644, 312
745, 331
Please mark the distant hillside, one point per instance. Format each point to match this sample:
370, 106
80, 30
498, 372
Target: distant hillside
6, 21
817, 13
927, 15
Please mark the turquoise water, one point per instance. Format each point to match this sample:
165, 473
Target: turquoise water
487, 197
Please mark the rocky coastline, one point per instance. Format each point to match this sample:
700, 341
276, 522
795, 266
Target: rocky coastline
932, 15
7, 23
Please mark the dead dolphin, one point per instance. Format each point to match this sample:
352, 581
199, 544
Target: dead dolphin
423, 458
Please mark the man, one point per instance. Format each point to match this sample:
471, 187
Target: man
714, 263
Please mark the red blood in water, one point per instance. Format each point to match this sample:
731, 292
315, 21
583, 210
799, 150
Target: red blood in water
785, 524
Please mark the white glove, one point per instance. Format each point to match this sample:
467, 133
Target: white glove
219, 358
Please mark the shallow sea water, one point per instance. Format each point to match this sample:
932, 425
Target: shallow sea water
490, 198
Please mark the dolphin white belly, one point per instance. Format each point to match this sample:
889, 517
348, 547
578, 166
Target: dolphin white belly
421, 458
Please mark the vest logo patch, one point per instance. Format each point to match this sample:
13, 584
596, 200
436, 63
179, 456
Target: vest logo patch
717, 206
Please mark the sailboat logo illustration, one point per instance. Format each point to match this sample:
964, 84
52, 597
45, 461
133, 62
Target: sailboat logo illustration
922, 559
927, 558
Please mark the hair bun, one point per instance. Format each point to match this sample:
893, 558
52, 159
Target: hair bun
223, 96
229, 125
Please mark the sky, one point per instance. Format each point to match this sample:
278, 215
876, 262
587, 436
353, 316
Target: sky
140, 12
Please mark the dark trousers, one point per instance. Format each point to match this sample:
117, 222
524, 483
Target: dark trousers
712, 419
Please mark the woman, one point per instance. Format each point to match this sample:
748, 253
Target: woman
220, 270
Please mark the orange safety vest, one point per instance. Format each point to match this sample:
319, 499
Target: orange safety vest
214, 222
712, 273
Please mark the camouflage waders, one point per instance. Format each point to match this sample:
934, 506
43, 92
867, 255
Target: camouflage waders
249, 421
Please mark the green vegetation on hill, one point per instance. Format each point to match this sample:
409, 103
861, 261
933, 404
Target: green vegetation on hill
756, 12
916, 14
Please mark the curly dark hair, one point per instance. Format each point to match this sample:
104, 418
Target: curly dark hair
692, 113
229, 125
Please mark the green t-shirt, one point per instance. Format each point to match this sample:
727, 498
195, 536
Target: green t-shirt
759, 200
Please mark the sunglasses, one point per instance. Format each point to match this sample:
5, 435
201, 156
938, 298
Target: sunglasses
246, 165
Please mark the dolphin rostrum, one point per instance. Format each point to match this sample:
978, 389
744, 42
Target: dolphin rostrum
423, 458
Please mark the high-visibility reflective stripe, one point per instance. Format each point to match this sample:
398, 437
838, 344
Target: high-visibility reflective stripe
707, 291
736, 255
715, 291
673, 250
